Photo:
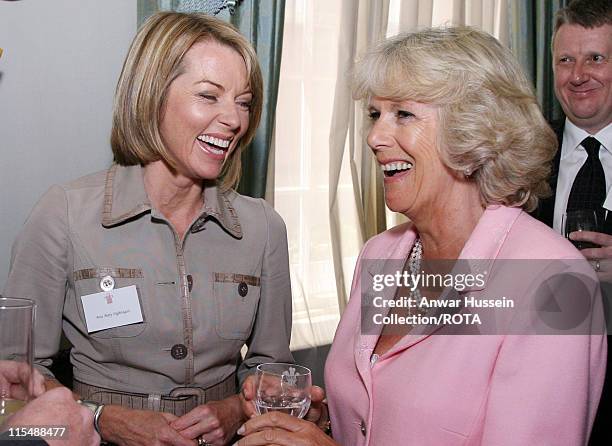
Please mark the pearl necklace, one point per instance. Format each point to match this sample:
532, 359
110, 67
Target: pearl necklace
414, 265
416, 255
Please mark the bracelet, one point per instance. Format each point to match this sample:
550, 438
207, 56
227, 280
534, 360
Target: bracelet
97, 414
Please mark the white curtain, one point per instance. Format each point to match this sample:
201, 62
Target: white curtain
327, 187
489, 15
364, 22
303, 116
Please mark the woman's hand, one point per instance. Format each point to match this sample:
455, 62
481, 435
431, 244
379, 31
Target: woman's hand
315, 413
216, 422
275, 428
247, 396
130, 427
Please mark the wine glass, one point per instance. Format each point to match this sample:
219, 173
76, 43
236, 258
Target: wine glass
580, 220
283, 388
16, 344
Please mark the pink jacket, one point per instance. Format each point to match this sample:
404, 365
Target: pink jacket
466, 389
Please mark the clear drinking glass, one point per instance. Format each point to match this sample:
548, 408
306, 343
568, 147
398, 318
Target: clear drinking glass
580, 220
16, 344
283, 388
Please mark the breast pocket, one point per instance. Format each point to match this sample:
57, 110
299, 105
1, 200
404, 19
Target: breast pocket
236, 299
89, 281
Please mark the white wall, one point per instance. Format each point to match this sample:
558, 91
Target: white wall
57, 78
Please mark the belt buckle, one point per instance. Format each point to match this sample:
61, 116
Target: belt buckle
181, 392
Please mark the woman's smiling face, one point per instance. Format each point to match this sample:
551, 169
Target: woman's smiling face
404, 140
206, 110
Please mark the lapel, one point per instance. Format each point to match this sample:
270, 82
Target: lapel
546, 209
479, 253
400, 240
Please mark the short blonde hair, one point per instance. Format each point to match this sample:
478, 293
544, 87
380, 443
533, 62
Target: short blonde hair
154, 60
490, 126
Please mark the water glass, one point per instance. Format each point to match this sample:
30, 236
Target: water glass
284, 388
16, 344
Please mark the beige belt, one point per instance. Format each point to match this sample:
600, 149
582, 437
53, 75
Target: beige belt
180, 400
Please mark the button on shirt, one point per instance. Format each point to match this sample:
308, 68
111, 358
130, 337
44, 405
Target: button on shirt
178, 351
573, 156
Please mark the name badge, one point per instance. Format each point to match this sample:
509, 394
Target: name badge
112, 308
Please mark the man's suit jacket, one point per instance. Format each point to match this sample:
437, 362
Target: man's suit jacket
546, 209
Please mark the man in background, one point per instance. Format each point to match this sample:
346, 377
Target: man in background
582, 65
582, 169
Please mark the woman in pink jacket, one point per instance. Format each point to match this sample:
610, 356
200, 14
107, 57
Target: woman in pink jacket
465, 153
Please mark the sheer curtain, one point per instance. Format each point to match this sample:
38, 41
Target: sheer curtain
303, 116
327, 187
532, 23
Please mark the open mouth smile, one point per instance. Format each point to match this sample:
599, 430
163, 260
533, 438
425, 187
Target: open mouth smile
214, 146
395, 168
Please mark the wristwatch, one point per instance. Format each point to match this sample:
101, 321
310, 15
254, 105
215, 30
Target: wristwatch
96, 409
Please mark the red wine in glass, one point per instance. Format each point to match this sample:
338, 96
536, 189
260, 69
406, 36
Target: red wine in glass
580, 220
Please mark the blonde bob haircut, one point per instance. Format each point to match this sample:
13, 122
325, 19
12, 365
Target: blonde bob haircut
154, 60
490, 126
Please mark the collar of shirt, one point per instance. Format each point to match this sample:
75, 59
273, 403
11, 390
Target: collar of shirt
574, 135
125, 198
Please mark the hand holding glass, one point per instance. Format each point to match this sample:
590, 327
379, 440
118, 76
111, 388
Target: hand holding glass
16, 345
580, 220
283, 388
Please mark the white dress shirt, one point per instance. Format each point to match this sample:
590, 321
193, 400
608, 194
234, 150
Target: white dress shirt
573, 156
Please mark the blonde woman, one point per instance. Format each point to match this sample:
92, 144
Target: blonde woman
156, 269
465, 153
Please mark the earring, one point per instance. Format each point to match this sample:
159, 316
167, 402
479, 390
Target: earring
467, 172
